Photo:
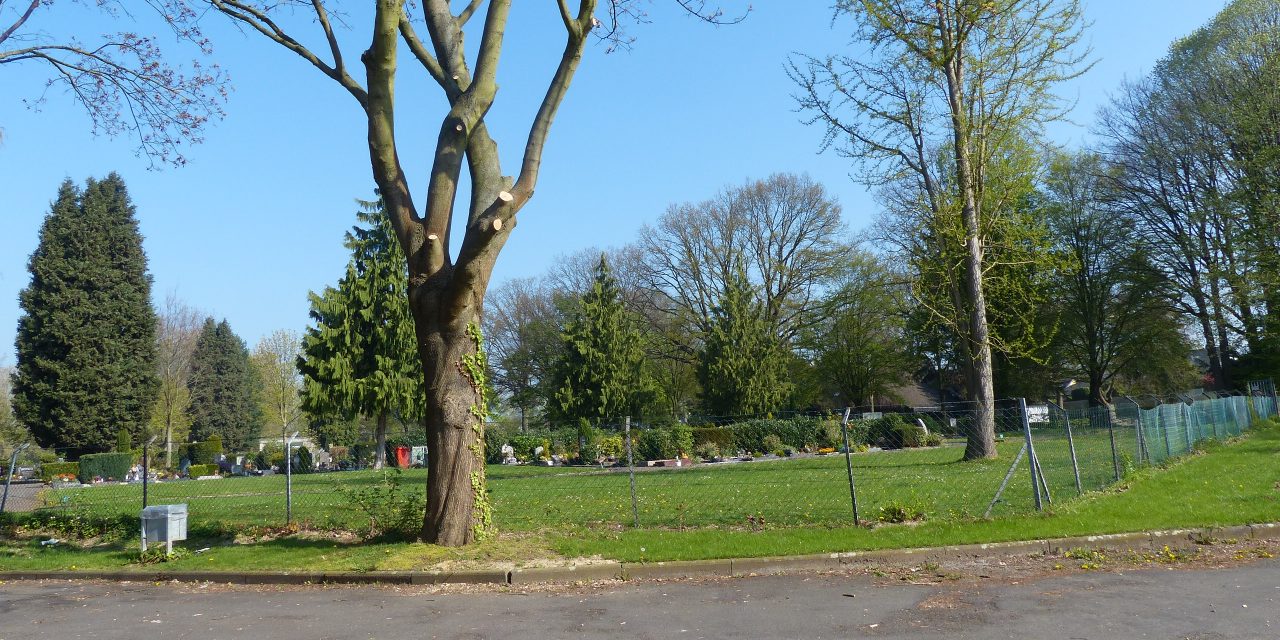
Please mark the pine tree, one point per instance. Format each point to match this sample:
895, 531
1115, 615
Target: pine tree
224, 389
86, 339
361, 357
743, 366
599, 375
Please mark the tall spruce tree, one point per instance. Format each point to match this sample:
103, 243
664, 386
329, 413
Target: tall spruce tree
86, 340
600, 373
361, 356
743, 365
224, 389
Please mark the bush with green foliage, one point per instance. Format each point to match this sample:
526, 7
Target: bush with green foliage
51, 470
893, 431
707, 451
494, 437
124, 442
394, 511
772, 444
524, 445
108, 466
303, 461
933, 439
205, 452
611, 447
655, 444
897, 513
198, 470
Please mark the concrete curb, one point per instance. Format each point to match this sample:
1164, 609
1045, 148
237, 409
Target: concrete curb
731, 567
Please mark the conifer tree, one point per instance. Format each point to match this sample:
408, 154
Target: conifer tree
743, 365
224, 389
361, 357
86, 339
599, 375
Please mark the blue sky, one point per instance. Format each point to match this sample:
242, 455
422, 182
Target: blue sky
256, 219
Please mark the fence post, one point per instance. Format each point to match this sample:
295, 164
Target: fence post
288, 479
631, 471
146, 471
1031, 454
1071, 443
1186, 418
1111, 432
1004, 483
1143, 454
848, 462
8, 474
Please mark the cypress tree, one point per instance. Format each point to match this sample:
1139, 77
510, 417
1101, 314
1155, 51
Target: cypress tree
224, 389
360, 358
86, 339
743, 365
599, 374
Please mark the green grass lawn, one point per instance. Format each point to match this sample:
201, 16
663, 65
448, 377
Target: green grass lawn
791, 492
702, 512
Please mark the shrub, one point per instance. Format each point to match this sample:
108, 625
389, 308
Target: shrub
586, 444
897, 513
494, 437
124, 442
361, 452
610, 447
894, 431
112, 466
934, 439
772, 444
393, 510
197, 470
719, 437
273, 453
206, 452
656, 444
682, 437
707, 451
524, 445
51, 470
303, 461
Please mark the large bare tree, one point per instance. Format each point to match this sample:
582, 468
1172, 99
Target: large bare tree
178, 328
784, 232
959, 80
446, 289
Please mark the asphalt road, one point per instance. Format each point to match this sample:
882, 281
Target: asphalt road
1236, 602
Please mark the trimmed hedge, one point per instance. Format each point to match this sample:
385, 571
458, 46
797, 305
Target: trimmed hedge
721, 437
108, 466
894, 431
796, 433
50, 469
206, 452
197, 470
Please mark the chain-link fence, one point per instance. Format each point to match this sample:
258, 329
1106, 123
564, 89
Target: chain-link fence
807, 471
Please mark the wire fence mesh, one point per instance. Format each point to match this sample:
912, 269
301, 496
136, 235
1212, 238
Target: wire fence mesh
898, 467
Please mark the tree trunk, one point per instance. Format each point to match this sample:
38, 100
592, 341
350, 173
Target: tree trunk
982, 439
448, 340
1097, 397
380, 442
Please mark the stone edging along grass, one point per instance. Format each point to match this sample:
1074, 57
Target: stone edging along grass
732, 567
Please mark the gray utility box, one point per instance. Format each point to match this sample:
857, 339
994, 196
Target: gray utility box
164, 523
